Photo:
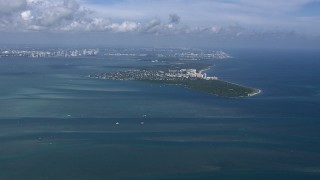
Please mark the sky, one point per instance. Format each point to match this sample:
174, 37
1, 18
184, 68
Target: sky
172, 23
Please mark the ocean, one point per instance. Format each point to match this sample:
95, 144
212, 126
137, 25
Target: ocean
56, 123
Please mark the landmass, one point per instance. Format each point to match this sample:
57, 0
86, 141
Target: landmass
157, 54
174, 66
188, 78
47, 53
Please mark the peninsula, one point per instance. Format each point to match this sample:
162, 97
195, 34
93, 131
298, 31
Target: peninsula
188, 78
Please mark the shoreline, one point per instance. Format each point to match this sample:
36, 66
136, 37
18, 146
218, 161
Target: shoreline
255, 93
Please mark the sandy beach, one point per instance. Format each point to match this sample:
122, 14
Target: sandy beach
255, 93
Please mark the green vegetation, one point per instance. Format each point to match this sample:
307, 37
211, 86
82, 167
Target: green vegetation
216, 87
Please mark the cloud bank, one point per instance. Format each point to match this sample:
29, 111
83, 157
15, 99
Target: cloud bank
209, 19
68, 16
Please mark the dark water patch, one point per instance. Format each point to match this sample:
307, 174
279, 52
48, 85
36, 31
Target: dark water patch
18, 73
102, 149
61, 66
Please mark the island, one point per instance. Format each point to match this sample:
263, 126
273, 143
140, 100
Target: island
186, 77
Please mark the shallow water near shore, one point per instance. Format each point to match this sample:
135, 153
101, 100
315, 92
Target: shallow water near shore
56, 123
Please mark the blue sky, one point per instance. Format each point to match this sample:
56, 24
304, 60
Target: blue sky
160, 22
309, 9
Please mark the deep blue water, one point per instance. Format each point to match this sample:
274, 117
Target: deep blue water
58, 124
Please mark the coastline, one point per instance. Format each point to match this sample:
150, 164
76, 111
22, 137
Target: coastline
255, 93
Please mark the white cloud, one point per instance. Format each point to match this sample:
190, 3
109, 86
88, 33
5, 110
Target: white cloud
232, 18
26, 15
252, 14
56, 16
125, 26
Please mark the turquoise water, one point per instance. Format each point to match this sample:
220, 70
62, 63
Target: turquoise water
58, 124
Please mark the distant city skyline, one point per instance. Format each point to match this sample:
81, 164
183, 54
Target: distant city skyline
183, 23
